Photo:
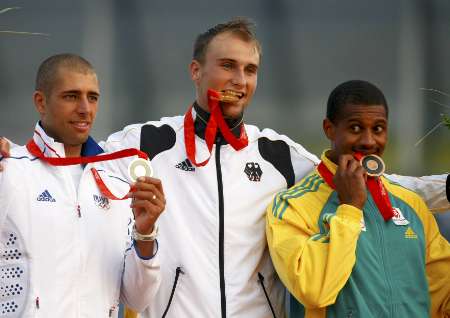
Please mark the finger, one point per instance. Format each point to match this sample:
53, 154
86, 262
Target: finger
353, 165
147, 195
144, 187
150, 180
4, 147
143, 206
361, 172
344, 160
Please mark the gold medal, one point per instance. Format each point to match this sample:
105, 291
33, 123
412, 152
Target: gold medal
140, 168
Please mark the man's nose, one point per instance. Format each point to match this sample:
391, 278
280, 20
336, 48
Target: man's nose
239, 78
83, 105
367, 139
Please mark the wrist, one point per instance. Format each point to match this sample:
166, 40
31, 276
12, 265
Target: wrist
145, 237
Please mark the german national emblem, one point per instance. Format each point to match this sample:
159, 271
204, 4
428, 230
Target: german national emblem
253, 171
101, 202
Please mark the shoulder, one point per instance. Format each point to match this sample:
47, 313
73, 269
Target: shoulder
271, 141
17, 167
408, 196
19, 156
157, 137
310, 193
288, 157
151, 137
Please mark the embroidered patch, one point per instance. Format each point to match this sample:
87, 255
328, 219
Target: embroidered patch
101, 202
398, 217
253, 171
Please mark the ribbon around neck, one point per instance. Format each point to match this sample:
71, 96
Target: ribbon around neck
34, 149
374, 184
215, 122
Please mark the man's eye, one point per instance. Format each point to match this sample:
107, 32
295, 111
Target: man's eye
379, 129
227, 65
252, 70
70, 97
355, 128
93, 98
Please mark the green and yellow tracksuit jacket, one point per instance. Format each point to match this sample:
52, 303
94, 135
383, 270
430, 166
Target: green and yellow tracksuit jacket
339, 261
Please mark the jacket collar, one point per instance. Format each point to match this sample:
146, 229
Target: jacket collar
327, 162
201, 120
52, 148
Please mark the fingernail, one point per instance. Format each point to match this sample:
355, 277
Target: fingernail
141, 179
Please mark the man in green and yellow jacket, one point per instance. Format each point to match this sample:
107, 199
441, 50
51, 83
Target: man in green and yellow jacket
346, 244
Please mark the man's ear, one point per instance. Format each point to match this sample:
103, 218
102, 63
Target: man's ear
328, 129
39, 102
194, 68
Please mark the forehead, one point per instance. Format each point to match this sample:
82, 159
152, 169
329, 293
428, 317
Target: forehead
67, 79
362, 112
231, 46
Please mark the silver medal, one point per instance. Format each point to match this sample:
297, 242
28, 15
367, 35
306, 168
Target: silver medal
140, 168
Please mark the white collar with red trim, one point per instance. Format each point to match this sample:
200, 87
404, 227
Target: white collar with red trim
47, 144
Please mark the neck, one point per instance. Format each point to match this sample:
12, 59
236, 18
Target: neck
72, 151
332, 156
204, 114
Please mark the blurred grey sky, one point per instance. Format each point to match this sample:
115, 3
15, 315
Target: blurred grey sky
141, 50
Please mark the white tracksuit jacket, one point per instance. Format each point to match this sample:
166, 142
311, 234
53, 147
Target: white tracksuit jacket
214, 256
65, 254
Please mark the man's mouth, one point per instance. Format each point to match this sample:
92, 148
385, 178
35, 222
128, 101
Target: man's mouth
80, 125
229, 96
365, 152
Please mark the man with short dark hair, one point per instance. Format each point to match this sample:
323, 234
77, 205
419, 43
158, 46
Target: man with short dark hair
65, 244
347, 242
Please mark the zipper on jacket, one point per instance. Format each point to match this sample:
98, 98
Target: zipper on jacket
178, 271
223, 300
384, 257
261, 281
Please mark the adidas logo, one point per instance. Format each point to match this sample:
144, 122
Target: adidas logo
185, 165
410, 234
46, 197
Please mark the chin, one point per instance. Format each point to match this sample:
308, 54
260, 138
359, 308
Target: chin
232, 111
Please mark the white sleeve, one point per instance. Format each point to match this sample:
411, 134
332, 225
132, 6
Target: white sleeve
11, 144
8, 193
3, 198
129, 137
303, 161
434, 190
141, 279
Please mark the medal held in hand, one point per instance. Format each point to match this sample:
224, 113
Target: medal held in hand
140, 167
373, 165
